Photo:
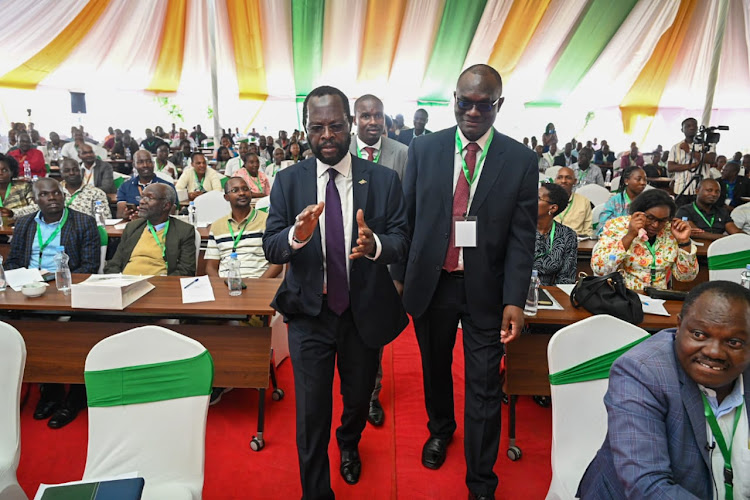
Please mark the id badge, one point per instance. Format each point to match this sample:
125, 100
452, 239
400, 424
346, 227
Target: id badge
465, 231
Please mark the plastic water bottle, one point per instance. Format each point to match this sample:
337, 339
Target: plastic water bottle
62, 275
3, 283
744, 277
35, 178
99, 213
26, 169
532, 299
234, 278
608, 179
128, 154
611, 265
192, 219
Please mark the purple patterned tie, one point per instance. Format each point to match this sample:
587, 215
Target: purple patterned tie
338, 287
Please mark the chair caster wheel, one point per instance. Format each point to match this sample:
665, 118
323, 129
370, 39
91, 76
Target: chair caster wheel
514, 453
277, 394
257, 444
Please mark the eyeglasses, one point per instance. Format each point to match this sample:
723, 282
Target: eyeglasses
334, 128
482, 107
655, 220
148, 198
542, 199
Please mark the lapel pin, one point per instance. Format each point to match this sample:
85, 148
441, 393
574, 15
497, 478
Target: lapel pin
363, 181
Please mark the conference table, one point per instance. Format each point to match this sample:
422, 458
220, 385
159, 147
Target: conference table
59, 337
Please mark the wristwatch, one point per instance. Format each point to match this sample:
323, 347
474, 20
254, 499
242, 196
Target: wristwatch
686, 244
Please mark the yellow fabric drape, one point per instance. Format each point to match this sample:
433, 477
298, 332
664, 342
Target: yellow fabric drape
166, 77
29, 74
523, 18
245, 22
382, 30
642, 100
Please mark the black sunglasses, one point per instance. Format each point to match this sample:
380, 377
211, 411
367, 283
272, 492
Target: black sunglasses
482, 107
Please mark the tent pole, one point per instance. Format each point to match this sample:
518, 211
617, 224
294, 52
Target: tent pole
721, 26
214, 76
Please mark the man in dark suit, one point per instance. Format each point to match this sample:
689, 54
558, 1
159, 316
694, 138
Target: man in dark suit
96, 172
370, 144
341, 308
565, 159
420, 121
476, 270
734, 187
60, 230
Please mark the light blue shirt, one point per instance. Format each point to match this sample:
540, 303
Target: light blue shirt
54, 247
729, 403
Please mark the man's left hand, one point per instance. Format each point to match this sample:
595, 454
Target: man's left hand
365, 239
512, 323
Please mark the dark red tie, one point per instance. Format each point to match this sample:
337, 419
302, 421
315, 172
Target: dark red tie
370, 153
460, 204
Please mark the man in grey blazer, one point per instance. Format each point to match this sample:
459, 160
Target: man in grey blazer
370, 144
96, 172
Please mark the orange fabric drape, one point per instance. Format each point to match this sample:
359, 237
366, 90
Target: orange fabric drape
245, 22
523, 18
166, 77
379, 42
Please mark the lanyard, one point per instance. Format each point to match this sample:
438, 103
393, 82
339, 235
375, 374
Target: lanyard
44, 244
257, 182
200, 182
551, 243
653, 260
374, 157
161, 244
625, 198
7, 193
89, 173
710, 224
480, 163
726, 452
72, 197
236, 239
562, 217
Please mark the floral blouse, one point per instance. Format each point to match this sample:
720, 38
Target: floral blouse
616, 206
636, 262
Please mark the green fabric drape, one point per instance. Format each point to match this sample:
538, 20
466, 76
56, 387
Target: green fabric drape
457, 26
307, 43
593, 369
592, 34
150, 383
736, 260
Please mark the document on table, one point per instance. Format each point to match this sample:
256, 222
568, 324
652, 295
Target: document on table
566, 288
44, 487
17, 278
196, 290
112, 222
653, 306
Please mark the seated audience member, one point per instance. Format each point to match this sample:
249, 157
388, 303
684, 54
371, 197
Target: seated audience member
181, 159
199, 178
577, 215
241, 232
109, 143
604, 157
677, 403
541, 160
52, 151
70, 149
151, 143
632, 184
708, 218
129, 194
222, 157
257, 180
162, 165
734, 187
556, 245
155, 243
584, 172
746, 165
263, 153
565, 159
81, 196
26, 153
740, 220
16, 197
176, 141
295, 154
236, 163
655, 169
124, 147
649, 244
634, 159
277, 164
110, 135
534, 143
98, 173
550, 154
197, 135
270, 145
228, 142
37, 239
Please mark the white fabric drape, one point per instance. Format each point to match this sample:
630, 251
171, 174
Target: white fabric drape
488, 29
734, 71
343, 29
277, 47
721, 26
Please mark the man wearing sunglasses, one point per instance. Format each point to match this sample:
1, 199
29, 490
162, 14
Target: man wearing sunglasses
472, 263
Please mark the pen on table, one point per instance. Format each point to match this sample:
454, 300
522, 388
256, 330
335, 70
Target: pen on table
194, 281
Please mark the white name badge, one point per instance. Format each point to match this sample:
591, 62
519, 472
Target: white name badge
465, 231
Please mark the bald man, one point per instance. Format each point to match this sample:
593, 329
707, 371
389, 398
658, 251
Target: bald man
578, 215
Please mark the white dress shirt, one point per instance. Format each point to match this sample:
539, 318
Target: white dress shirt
362, 145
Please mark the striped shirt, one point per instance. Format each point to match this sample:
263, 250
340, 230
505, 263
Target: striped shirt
250, 253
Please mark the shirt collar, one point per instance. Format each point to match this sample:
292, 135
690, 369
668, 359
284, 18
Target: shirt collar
482, 141
68, 193
344, 167
361, 145
732, 401
40, 220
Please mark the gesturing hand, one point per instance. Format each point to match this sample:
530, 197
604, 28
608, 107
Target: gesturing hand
307, 220
681, 230
365, 239
637, 222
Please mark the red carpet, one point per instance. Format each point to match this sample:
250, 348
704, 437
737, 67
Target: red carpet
391, 454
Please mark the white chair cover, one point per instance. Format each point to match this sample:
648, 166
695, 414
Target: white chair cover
263, 203
595, 193
551, 173
210, 206
579, 418
12, 363
164, 441
595, 214
724, 246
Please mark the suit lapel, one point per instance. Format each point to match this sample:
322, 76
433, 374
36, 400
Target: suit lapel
385, 153
360, 189
490, 172
691, 399
309, 194
445, 163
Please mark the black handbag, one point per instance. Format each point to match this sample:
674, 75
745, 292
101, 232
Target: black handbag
607, 295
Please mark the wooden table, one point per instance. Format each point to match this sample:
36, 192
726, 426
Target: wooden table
57, 350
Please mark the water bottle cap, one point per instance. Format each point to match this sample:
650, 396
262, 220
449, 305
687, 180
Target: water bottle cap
192, 203
685, 219
98, 202
746, 267
534, 273
233, 255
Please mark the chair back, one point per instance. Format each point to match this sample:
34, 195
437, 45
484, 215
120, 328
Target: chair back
197, 249
263, 204
579, 418
596, 194
161, 433
728, 256
551, 173
12, 363
596, 213
211, 206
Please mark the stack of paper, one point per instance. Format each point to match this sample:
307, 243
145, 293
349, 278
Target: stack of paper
17, 278
653, 306
109, 291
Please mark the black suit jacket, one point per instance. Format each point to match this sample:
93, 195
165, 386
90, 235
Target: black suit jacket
741, 189
498, 269
560, 160
406, 136
376, 306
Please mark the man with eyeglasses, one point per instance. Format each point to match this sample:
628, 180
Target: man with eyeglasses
155, 243
130, 192
470, 263
420, 121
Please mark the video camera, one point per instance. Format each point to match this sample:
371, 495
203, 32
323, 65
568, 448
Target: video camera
708, 135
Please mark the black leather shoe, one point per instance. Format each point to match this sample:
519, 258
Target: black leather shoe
433, 452
63, 416
351, 466
474, 496
45, 408
376, 416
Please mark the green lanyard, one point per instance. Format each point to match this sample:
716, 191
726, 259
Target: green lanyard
257, 182
44, 244
236, 239
625, 198
653, 260
480, 163
7, 193
161, 244
375, 157
710, 224
726, 452
551, 243
200, 182
72, 197
562, 217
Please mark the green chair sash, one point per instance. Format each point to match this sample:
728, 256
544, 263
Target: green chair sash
736, 260
118, 182
224, 182
593, 369
129, 385
103, 237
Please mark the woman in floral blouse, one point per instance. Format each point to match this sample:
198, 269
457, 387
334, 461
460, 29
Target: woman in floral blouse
632, 183
649, 245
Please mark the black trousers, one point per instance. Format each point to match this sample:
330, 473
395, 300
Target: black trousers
436, 335
316, 345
